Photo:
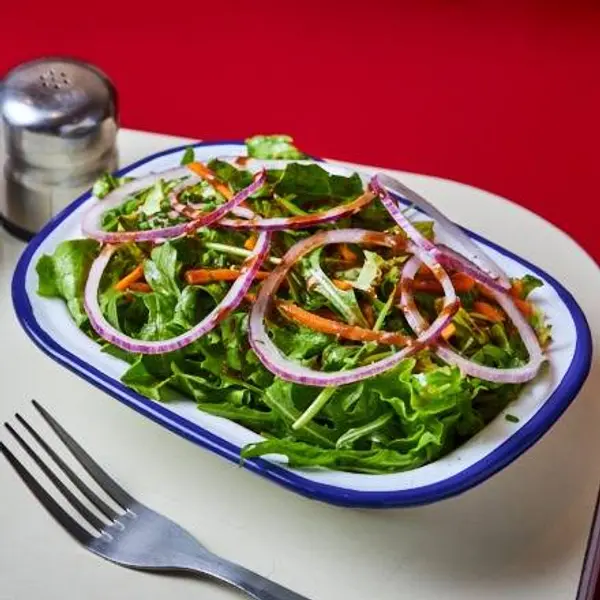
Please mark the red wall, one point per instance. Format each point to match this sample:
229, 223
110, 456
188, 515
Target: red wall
503, 95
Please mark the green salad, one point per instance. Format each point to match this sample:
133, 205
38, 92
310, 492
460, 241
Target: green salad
460, 344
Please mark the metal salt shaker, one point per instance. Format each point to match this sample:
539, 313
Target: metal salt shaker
60, 121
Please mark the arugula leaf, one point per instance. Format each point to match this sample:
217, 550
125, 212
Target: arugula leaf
238, 179
527, 284
189, 156
273, 147
64, 273
344, 301
300, 455
282, 397
106, 183
348, 439
314, 182
152, 203
162, 269
370, 271
142, 381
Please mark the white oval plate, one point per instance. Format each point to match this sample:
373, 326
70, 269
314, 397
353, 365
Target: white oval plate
540, 404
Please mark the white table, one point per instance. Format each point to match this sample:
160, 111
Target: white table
521, 535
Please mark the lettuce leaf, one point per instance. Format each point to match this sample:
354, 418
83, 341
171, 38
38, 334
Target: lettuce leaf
273, 147
63, 274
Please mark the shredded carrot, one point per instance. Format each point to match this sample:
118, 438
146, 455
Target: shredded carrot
206, 174
517, 289
367, 311
250, 297
130, 278
525, 307
250, 242
487, 310
202, 276
140, 286
347, 254
351, 332
448, 331
342, 284
462, 283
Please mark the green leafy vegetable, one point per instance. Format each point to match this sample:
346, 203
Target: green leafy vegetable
273, 147
107, 183
188, 157
64, 273
343, 301
402, 419
312, 181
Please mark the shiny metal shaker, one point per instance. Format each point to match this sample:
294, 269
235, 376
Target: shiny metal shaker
60, 121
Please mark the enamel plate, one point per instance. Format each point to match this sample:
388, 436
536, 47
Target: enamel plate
540, 404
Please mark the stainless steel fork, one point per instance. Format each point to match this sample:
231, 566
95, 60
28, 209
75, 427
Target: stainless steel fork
137, 537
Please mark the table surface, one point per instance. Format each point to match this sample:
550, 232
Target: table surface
520, 535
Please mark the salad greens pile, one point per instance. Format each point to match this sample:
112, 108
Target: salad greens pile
407, 417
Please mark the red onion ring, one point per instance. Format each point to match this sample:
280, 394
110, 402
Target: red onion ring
468, 367
451, 259
91, 227
496, 276
282, 223
90, 223
287, 369
396, 213
232, 299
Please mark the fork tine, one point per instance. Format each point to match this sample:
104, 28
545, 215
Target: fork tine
62, 488
107, 483
78, 532
81, 486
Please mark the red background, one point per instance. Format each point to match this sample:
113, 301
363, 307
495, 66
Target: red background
503, 95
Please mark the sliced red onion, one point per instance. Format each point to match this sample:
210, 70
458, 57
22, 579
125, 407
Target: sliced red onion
468, 367
471, 249
394, 209
287, 369
281, 223
193, 210
91, 227
230, 302
451, 259
91, 220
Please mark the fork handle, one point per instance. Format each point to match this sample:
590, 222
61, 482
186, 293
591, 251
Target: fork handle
254, 585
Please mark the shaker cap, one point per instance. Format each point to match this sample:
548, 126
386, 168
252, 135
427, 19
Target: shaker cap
57, 96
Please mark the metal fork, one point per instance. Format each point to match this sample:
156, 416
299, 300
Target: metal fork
138, 537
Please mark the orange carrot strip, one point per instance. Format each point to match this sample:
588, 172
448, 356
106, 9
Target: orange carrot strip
524, 306
130, 278
140, 286
347, 254
342, 284
487, 310
462, 283
448, 331
202, 276
517, 289
351, 332
250, 242
367, 311
208, 175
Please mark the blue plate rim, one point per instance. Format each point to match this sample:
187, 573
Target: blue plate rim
484, 468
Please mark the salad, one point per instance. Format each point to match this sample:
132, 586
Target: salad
312, 308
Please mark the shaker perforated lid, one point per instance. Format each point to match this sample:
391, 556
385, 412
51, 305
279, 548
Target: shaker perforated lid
59, 124
55, 107
60, 96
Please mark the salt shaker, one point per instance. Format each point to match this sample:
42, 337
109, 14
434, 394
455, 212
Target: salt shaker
60, 122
